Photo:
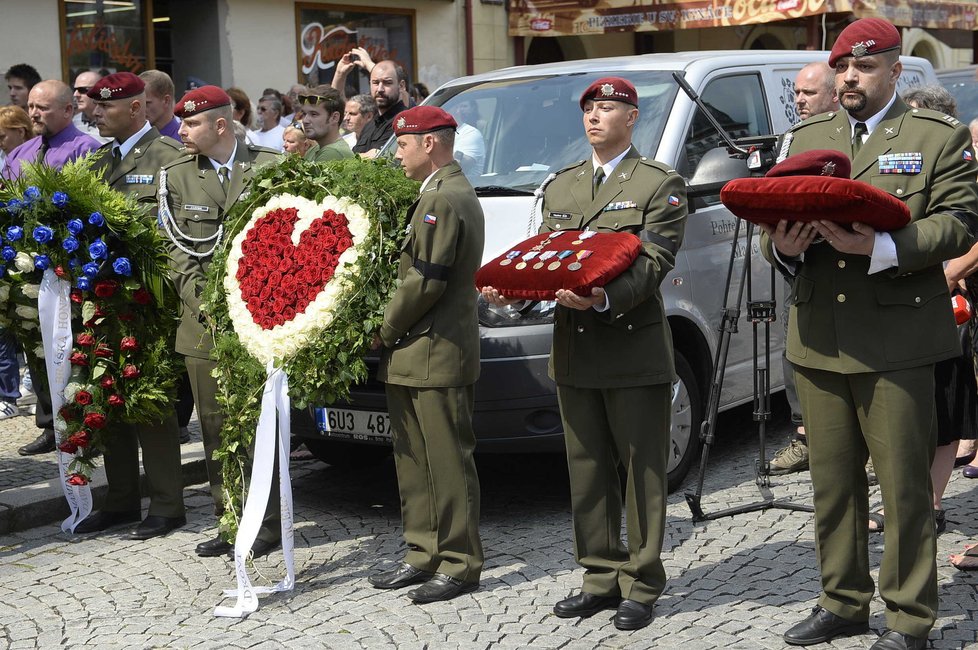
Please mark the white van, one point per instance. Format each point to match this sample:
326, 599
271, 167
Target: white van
531, 125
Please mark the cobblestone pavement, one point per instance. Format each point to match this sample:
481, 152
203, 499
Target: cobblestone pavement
736, 582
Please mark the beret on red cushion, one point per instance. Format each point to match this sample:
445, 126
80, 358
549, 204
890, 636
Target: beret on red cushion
809, 198
601, 257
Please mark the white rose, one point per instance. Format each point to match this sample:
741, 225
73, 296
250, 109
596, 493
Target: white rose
29, 290
4, 322
26, 312
70, 389
28, 324
24, 262
39, 351
4, 292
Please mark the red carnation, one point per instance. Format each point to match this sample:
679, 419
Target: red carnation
68, 446
107, 381
77, 297
106, 288
83, 397
79, 359
85, 339
103, 351
128, 344
129, 372
95, 420
141, 296
77, 479
116, 400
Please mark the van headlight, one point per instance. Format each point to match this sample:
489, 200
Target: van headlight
526, 313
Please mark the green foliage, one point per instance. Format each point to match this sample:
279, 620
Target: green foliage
323, 371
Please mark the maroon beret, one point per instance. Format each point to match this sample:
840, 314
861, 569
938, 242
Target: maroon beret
817, 162
611, 89
118, 85
865, 37
423, 119
201, 99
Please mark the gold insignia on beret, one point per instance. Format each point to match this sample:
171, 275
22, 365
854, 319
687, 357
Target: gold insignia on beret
607, 90
190, 106
401, 123
105, 93
828, 169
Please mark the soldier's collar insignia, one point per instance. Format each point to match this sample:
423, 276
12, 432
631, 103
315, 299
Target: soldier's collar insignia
138, 150
890, 130
607, 90
623, 176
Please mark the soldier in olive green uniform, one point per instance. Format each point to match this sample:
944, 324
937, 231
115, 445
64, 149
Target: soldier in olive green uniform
193, 203
430, 362
870, 317
612, 360
131, 163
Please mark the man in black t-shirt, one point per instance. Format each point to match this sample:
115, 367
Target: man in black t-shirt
387, 81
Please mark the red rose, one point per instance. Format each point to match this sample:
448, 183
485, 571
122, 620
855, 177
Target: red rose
288, 313
81, 438
79, 359
107, 381
100, 311
106, 288
103, 351
129, 372
272, 249
85, 339
68, 446
77, 297
343, 244
128, 344
141, 296
126, 317
285, 265
60, 271
66, 413
330, 241
76, 479
116, 400
95, 420
83, 397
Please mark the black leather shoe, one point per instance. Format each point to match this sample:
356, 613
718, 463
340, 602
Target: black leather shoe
584, 605
893, 640
261, 548
156, 526
441, 587
42, 444
404, 575
102, 519
821, 626
633, 615
213, 547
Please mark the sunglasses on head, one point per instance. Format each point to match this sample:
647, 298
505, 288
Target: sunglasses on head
312, 99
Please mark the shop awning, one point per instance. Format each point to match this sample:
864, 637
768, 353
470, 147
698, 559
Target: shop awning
582, 17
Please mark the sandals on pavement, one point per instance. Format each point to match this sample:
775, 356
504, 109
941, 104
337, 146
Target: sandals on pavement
876, 521
967, 560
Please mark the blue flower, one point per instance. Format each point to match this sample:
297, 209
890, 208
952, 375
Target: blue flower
122, 266
97, 249
15, 233
42, 262
75, 226
83, 283
42, 234
73, 263
32, 194
60, 199
8, 253
70, 244
96, 219
14, 206
90, 269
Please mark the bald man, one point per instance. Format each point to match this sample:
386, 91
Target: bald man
815, 90
50, 107
387, 81
84, 119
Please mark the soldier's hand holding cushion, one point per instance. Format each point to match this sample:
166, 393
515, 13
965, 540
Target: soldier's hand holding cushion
790, 238
568, 298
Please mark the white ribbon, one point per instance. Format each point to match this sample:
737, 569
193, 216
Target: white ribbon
54, 314
267, 437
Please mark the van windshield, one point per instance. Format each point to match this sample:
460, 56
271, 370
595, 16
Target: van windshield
514, 132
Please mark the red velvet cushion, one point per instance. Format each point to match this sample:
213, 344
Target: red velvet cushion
808, 198
611, 253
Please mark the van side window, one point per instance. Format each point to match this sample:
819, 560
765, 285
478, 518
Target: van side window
737, 103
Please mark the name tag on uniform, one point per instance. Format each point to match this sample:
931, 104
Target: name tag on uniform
139, 179
620, 205
196, 208
901, 163
563, 216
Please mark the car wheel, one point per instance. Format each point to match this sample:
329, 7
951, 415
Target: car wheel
345, 454
687, 416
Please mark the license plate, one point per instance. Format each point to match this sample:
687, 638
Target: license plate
353, 424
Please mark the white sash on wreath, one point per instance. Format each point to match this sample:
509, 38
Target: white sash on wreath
268, 438
54, 314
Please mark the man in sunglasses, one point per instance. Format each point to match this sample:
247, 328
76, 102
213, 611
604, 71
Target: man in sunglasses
322, 112
84, 118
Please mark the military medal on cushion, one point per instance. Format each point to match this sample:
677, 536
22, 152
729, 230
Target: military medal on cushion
510, 256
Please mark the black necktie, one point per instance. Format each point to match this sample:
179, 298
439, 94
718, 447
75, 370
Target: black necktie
598, 177
43, 150
116, 155
857, 137
222, 177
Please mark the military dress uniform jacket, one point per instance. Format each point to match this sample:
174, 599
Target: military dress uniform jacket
844, 320
198, 204
138, 173
431, 331
630, 344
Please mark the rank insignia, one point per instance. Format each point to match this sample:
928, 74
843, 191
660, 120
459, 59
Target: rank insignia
139, 179
673, 200
967, 155
901, 163
430, 218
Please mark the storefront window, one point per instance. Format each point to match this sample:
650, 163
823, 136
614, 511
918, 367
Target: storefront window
104, 35
327, 32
